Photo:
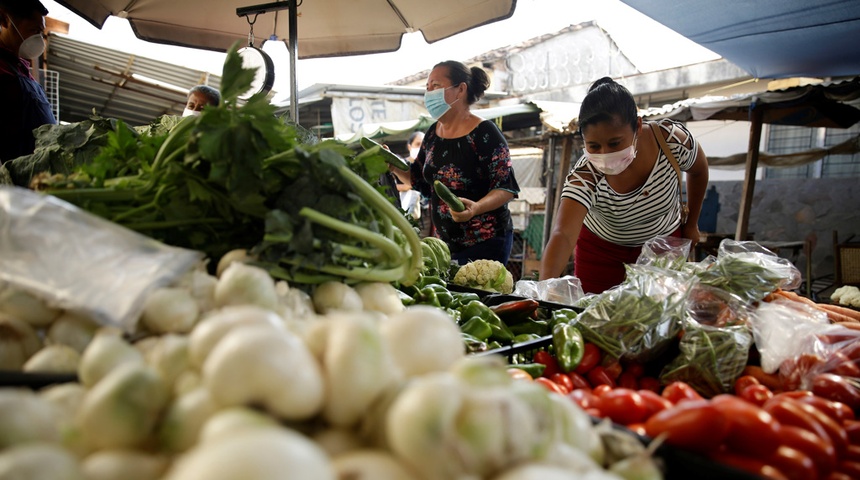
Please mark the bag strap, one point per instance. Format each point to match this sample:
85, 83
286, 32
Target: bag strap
661, 142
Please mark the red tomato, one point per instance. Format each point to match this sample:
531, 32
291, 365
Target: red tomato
751, 429
836, 433
601, 389
635, 369
744, 381
677, 392
584, 398
819, 450
788, 413
694, 425
590, 358
794, 464
748, 464
550, 385
842, 365
852, 428
613, 369
756, 394
637, 428
563, 381
654, 402
597, 376
836, 410
627, 380
578, 381
650, 383
837, 388
849, 468
594, 412
547, 359
852, 453
623, 406
519, 374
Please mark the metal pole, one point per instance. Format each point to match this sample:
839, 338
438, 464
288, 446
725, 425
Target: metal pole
294, 52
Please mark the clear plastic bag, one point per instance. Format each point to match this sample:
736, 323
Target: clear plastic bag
76, 261
711, 358
638, 319
665, 252
828, 349
566, 290
783, 329
750, 271
716, 307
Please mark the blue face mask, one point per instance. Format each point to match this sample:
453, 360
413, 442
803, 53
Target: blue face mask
435, 102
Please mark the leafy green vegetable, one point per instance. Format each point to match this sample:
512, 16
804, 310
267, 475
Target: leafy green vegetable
236, 176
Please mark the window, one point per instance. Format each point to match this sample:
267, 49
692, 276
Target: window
790, 139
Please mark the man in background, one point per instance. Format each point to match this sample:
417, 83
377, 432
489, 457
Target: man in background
25, 106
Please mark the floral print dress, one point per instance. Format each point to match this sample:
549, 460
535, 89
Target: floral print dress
470, 166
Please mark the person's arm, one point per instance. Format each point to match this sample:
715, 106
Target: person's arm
697, 184
491, 201
562, 240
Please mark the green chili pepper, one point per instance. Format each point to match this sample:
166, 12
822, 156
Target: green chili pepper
477, 328
427, 296
476, 308
405, 299
533, 369
426, 280
536, 327
569, 346
525, 337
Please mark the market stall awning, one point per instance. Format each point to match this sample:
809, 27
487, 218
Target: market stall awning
768, 38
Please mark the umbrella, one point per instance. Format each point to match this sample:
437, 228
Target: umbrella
315, 28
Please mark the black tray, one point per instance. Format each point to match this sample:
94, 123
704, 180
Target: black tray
482, 294
34, 380
525, 347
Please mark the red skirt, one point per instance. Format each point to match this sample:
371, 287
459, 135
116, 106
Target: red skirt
599, 264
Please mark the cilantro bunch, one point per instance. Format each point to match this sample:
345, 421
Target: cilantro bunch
236, 176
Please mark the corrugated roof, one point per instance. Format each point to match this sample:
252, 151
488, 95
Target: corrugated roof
118, 84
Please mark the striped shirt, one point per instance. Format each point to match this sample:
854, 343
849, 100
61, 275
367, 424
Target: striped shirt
654, 209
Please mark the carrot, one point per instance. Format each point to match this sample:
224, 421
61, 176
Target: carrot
849, 325
852, 314
769, 380
795, 297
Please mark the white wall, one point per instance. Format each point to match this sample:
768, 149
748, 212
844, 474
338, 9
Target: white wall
721, 138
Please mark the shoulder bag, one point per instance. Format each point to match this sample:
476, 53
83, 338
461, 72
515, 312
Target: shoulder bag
661, 142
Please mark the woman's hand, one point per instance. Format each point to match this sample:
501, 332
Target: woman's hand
691, 230
468, 213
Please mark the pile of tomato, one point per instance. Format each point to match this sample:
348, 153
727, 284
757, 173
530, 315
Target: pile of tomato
795, 435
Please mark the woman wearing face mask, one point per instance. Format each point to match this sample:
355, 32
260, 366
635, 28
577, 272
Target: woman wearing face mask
623, 191
410, 200
25, 105
471, 157
199, 97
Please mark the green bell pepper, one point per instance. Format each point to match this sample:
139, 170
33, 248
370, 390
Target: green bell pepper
477, 328
537, 327
427, 296
473, 344
442, 293
562, 315
405, 299
426, 280
525, 337
461, 299
476, 308
568, 345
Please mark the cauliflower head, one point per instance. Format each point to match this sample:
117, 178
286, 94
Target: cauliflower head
847, 295
485, 275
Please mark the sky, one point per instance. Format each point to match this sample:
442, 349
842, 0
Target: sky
635, 34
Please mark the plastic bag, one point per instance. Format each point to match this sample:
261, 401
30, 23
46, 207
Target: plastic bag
77, 261
716, 307
750, 271
638, 319
665, 252
782, 329
566, 290
711, 358
829, 350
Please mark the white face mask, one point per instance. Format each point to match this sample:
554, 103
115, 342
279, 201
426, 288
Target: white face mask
190, 113
615, 162
413, 152
32, 46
